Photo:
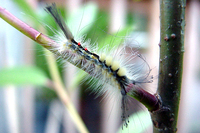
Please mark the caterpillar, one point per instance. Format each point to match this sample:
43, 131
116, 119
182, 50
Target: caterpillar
113, 69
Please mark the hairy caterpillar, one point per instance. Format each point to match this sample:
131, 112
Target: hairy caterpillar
112, 68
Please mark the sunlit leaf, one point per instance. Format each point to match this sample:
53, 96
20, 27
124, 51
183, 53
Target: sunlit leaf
81, 21
115, 39
138, 123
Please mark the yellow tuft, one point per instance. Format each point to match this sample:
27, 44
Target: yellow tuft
121, 72
110, 75
93, 57
109, 60
69, 44
115, 65
102, 57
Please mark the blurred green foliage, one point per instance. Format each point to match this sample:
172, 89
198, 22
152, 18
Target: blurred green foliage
138, 123
19, 76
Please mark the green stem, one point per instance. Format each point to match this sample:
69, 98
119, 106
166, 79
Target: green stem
171, 63
63, 94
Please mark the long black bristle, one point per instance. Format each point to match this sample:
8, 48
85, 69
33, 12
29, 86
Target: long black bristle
51, 9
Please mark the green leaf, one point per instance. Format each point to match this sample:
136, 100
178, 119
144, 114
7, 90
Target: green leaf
139, 122
22, 76
26, 8
81, 21
115, 39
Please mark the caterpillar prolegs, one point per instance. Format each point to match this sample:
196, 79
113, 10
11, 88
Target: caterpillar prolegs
109, 68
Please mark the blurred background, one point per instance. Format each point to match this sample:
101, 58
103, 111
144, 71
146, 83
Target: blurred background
28, 100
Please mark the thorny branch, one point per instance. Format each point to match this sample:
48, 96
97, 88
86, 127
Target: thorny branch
172, 17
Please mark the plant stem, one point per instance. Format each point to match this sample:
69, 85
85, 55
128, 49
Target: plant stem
171, 63
63, 95
26, 29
